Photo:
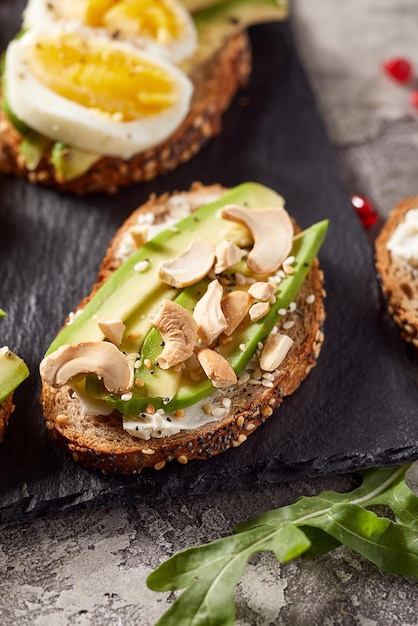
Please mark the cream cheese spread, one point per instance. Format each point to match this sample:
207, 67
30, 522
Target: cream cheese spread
403, 243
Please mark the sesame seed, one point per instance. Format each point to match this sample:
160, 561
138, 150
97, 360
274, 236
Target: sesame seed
240, 278
159, 465
310, 299
226, 402
288, 269
282, 311
240, 421
267, 383
182, 459
126, 397
148, 451
244, 378
141, 266
219, 412
266, 411
292, 307
207, 408
148, 363
268, 376
289, 260
288, 325
180, 413
150, 409
139, 382
250, 426
76, 457
242, 347
61, 418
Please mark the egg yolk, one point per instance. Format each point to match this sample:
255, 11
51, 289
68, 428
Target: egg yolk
96, 75
156, 19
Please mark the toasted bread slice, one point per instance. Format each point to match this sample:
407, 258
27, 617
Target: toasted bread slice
6, 409
216, 82
398, 278
100, 442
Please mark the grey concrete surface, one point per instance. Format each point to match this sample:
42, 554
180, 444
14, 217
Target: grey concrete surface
90, 567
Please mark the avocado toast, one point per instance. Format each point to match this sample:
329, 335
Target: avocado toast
199, 349
13, 372
219, 66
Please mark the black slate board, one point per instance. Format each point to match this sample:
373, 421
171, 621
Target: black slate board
358, 406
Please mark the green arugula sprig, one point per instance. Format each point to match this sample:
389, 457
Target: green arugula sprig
310, 526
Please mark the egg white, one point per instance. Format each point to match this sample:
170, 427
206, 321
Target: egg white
89, 129
46, 13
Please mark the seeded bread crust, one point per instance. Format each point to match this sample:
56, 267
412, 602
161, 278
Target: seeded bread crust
6, 409
100, 443
216, 82
398, 279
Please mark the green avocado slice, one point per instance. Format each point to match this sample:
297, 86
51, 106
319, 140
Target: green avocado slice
13, 372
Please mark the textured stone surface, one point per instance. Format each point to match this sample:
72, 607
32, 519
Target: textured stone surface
90, 567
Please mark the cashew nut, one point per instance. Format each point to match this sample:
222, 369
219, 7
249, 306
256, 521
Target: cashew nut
235, 307
216, 368
189, 267
91, 357
274, 351
178, 331
272, 232
208, 313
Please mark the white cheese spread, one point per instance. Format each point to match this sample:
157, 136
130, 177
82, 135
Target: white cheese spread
403, 243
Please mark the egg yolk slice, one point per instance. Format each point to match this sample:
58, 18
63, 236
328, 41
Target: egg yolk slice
158, 20
118, 83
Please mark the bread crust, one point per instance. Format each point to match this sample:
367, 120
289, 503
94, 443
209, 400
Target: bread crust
6, 409
398, 280
100, 443
216, 82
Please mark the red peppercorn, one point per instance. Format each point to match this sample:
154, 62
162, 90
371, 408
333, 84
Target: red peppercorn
365, 210
414, 99
398, 68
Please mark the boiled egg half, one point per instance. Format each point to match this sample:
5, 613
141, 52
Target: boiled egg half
94, 93
164, 27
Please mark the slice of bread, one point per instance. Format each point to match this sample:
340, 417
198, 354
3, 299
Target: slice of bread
6, 409
216, 81
99, 442
397, 277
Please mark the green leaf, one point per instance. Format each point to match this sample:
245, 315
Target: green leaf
393, 547
311, 526
213, 571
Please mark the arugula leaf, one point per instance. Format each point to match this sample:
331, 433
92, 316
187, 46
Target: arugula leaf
310, 526
213, 571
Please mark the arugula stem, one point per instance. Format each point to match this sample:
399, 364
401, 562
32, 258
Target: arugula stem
369, 496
